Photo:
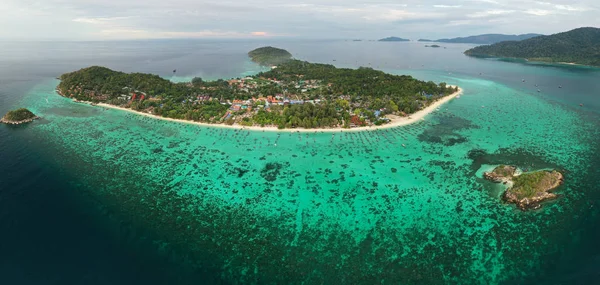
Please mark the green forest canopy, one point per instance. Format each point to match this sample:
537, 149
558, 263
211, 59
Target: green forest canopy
580, 46
269, 56
364, 84
529, 184
19, 115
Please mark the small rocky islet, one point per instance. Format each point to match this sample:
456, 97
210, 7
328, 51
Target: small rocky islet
526, 189
18, 116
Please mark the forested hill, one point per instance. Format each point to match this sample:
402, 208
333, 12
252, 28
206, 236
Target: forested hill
366, 84
18, 115
488, 39
269, 56
394, 39
580, 46
102, 80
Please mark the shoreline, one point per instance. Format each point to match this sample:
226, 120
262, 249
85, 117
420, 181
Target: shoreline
395, 121
18, 122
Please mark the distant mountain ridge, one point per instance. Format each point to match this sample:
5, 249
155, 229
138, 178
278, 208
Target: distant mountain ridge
484, 39
488, 39
393, 39
578, 46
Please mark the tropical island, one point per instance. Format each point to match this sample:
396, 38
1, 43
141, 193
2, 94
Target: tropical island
487, 39
269, 56
18, 116
484, 39
393, 39
433, 46
526, 189
295, 94
579, 46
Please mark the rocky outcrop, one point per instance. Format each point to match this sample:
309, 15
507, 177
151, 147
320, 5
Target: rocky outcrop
501, 174
18, 122
525, 204
19, 116
527, 190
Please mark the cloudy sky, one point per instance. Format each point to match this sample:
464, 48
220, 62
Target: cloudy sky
138, 19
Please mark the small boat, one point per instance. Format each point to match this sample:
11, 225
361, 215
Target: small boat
523, 80
559, 86
174, 70
580, 105
539, 91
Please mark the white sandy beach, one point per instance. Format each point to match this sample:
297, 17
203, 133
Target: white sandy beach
395, 121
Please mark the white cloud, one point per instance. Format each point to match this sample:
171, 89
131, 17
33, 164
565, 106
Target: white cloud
570, 8
488, 13
145, 34
93, 19
538, 12
447, 6
391, 15
459, 23
99, 21
489, 1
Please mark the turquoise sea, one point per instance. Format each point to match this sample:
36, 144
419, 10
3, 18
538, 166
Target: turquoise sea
95, 196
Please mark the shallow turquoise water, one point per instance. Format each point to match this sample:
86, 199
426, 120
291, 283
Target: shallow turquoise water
358, 207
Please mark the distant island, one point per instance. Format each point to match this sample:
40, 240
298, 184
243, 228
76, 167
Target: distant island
19, 116
424, 40
527, 190
269, 56
578, 46
433, 46
393, 39
295, 94
488, 39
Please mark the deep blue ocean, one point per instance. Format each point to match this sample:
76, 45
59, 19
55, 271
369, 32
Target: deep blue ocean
53, 233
